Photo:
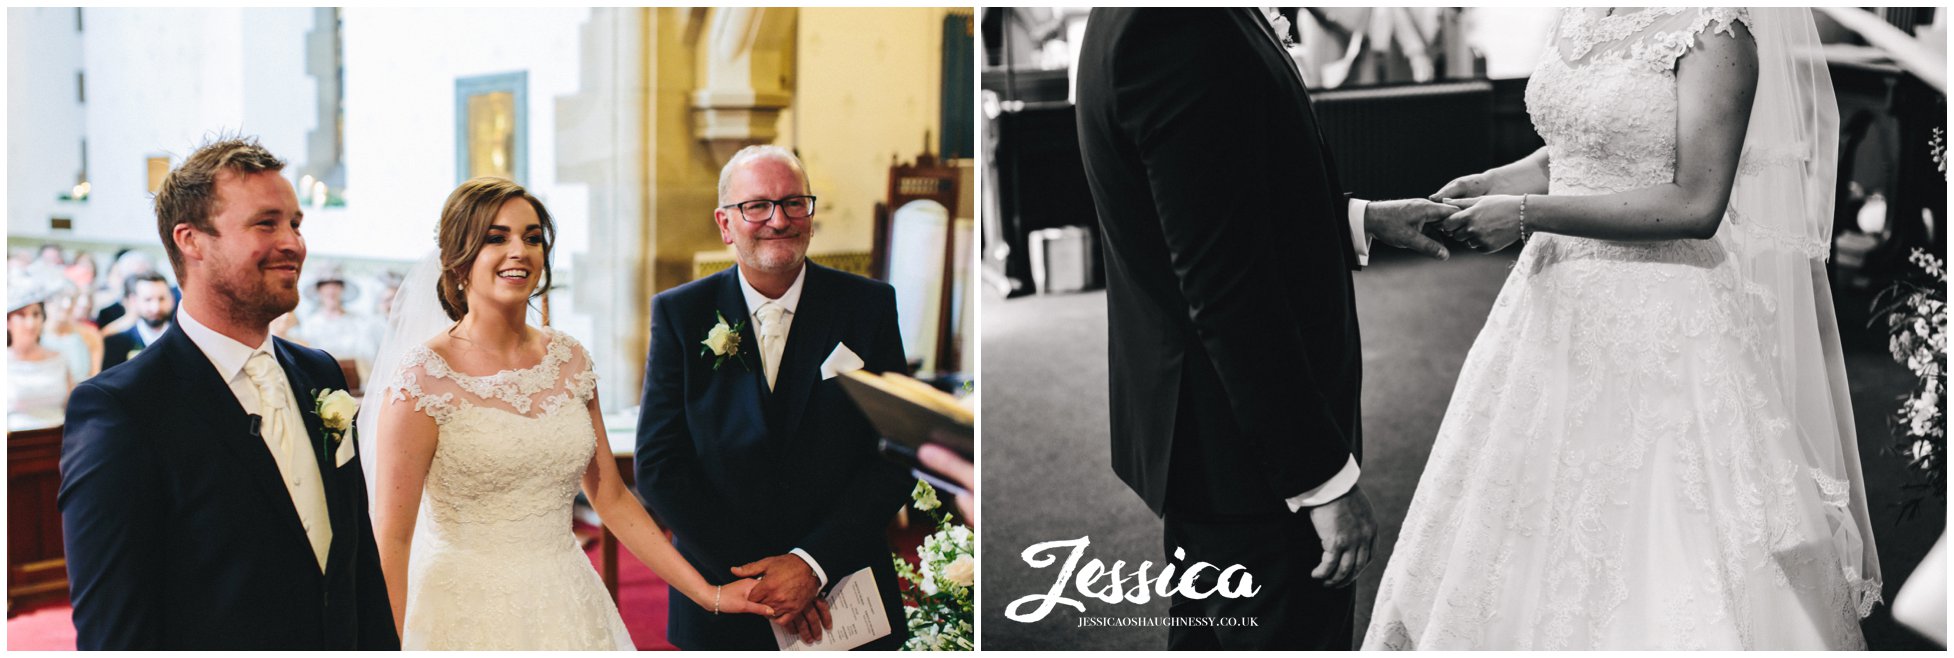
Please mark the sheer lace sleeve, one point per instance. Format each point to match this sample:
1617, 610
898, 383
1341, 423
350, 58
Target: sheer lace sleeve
579, 372
1669, 45
409, 384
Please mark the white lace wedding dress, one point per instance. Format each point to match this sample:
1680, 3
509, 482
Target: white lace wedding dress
1612, 472
494, 565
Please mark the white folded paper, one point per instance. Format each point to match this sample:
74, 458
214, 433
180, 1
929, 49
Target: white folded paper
858, 613
840, 361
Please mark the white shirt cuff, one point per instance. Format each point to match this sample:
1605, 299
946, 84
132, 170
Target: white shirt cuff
1328, 491
816, 566
1359, 240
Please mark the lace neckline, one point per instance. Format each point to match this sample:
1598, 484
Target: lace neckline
1583, 30
552, 357
515, 387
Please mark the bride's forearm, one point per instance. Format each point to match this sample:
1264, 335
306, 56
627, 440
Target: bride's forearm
627, 519
1662, 212
1528, 175
393, 568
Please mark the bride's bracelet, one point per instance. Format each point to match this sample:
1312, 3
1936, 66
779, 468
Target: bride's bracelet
717, 592
1523, 218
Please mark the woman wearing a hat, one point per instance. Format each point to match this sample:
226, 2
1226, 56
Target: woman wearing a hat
37, 377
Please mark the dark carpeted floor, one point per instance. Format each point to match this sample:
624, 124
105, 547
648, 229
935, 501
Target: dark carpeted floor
1045, 449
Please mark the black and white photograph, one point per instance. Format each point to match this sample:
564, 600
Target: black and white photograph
1463, 328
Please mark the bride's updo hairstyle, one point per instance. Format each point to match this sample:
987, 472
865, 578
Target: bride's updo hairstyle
465, 219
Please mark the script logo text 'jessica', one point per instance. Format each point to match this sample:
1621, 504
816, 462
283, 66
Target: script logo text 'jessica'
1114, 585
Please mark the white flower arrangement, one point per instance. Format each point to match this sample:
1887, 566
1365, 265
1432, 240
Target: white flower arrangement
1916, 314
938, 595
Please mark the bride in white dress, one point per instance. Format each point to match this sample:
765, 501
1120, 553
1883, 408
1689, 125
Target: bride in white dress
1650, 444
485, 433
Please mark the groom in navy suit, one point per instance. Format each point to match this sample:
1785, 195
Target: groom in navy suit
747, 447
204, 502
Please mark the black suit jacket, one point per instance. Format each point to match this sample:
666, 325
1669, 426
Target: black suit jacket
1234, 357
117, 346
180, 532
738, 472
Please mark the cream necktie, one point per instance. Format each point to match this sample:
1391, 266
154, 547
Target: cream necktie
773, 339
284, 441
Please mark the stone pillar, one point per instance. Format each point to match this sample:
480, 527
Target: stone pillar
746, 76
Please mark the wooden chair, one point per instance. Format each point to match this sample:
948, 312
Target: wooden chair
924, 178
37, 566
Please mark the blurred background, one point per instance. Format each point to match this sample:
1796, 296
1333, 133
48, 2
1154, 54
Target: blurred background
1409, 98
618, 119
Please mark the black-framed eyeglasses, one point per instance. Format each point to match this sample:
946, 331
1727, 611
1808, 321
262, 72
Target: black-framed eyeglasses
760, 211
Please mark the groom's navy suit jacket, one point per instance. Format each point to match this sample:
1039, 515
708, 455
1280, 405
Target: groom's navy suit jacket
1234, 360
739, 473
180, 532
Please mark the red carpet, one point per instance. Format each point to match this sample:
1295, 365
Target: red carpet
641, 601
46, 629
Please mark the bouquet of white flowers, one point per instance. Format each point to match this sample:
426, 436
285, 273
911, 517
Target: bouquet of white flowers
938, 595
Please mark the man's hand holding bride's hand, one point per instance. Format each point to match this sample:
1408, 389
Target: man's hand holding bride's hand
788, 585
733, 599
1486, 224
1469, 185
1401, 223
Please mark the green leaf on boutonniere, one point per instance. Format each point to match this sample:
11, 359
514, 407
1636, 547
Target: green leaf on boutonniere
723, 342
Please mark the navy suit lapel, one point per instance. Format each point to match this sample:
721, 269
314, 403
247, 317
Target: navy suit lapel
303, 386
213, 404
800, 364
731, 304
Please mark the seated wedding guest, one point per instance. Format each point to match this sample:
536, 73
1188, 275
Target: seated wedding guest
37, 378
127, 262
335, 329
83, 273
383, 306
78, 341
148, 296
51, 254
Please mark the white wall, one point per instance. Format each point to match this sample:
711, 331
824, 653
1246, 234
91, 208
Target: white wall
1511, 38
44, 122
869, 86
401, 66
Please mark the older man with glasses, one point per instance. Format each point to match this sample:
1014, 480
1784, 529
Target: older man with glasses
747, 447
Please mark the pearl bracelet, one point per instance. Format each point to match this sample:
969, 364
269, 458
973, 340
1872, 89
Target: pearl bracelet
1523, 218
717, 592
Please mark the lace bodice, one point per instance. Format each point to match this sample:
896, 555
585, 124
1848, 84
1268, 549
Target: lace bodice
1604, 94
512, 446
494, 565
1604, 99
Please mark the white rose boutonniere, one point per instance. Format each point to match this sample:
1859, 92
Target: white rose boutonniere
336, 409
723, 342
